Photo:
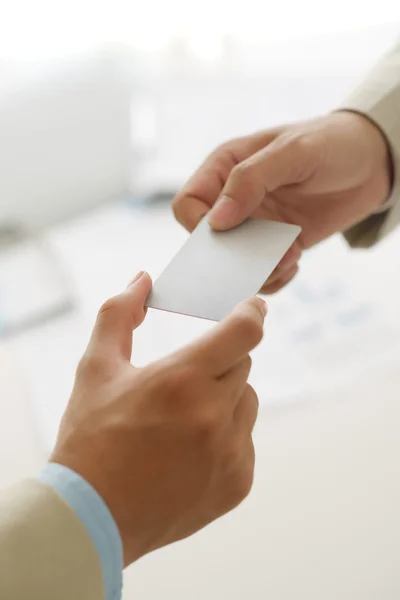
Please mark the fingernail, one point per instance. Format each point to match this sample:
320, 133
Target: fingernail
136, 278
224, 212
264, 307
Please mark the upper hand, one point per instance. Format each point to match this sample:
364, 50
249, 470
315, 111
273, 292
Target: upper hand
324, 174
168, 446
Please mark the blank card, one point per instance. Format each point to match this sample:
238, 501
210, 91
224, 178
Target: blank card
214, 271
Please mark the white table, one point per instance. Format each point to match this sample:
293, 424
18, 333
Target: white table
323, 518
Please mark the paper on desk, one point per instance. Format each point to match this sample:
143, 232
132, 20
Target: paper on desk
214, 271
33, 287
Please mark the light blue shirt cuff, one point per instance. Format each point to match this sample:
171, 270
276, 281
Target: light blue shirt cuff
96, 518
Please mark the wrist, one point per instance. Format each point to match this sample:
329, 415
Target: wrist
102, 479
379, 151
90, 509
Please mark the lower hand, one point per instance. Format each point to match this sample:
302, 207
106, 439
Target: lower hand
169, 446
325, 175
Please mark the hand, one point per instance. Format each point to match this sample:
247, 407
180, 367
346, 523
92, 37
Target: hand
168, 446
325, 175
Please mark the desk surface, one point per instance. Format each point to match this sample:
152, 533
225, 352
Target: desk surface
322, 520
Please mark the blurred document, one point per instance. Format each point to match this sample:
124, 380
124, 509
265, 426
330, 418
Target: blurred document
32, 287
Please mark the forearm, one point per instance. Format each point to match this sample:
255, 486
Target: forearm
50, 548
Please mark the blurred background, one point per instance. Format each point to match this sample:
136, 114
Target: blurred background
105, 109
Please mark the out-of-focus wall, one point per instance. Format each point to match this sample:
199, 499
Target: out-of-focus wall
64, 139
80, 130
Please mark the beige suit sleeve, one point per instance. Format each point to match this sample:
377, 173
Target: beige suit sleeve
378, 97
45, 551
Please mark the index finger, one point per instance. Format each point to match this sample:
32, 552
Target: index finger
197, 196
230, 341
204, 187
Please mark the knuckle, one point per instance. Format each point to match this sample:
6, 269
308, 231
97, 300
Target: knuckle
244, 484
248, 363
251, 394
136, 316
187, 398
243, 368
251, 397
296, 140
299, 142
222, 150
206, 424
109, 306
240, 485
303, 151
179, 381
233, 454
90, 366
243, 172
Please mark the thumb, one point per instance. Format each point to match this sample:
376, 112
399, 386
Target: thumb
281, 163
118, 317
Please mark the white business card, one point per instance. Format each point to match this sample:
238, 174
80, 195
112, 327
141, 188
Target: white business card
214, 271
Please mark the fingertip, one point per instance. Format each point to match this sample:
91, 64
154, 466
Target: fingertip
248, 319
147, 279
135, 279
138, 291
136, 295
141, 280
213, 221
226, 214
189, 211
146, 284
277, 284
256, 304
